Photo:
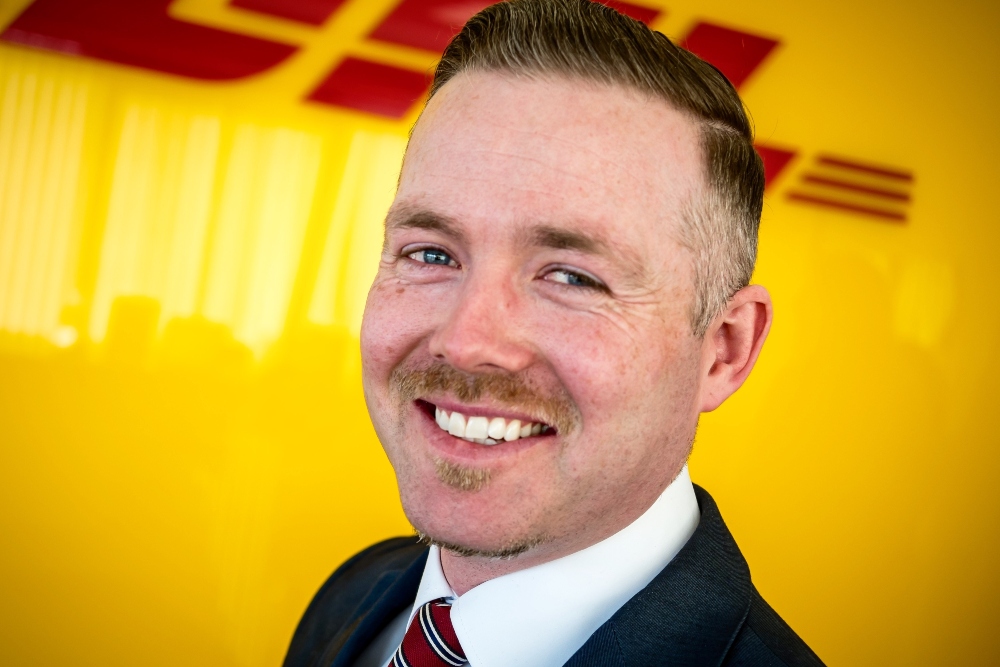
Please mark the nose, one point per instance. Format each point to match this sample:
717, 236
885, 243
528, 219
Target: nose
483, 331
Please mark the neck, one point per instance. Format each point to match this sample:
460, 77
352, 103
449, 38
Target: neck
465, 572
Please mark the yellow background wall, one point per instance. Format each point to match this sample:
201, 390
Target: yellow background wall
184, 451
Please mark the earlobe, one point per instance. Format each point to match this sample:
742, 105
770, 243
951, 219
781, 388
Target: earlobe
732, 344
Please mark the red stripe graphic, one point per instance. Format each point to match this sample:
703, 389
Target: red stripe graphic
854, 187
865, 168
844, 206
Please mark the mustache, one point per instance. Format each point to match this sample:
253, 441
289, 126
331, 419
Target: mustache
514, 390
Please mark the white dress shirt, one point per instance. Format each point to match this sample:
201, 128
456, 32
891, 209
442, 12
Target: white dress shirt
541, 616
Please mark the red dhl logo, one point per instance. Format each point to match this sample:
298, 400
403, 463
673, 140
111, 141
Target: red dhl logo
141, 33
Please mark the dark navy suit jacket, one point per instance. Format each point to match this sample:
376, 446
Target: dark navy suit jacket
702, 609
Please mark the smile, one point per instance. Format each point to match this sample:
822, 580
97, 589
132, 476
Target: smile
487, 430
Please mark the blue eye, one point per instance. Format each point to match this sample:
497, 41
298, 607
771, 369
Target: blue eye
578, 280
573, 279
432, 256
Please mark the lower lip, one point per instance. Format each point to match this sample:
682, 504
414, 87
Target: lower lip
460, 449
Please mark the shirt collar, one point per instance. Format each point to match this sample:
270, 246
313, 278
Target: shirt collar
540, 616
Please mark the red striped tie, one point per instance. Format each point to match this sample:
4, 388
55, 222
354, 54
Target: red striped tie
430, 641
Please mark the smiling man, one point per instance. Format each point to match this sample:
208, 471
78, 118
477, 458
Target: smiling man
563, 290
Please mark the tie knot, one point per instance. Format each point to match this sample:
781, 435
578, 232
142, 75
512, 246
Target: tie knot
430, 641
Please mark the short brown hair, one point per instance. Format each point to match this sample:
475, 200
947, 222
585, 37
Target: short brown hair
588, 40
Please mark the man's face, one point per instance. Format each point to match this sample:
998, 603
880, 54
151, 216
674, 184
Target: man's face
532, 272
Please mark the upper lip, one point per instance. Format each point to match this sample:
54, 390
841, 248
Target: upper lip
483, 410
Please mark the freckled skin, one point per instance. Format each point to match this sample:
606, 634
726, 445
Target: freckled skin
498, 157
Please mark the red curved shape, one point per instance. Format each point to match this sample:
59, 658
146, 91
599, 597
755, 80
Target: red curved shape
140, 33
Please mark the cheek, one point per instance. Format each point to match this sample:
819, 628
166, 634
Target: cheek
626, 385
601, 363
394, 320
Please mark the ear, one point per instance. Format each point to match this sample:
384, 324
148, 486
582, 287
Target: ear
732, 343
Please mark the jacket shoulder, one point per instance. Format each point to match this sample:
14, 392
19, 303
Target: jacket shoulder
361, 570
765, 639
349, 593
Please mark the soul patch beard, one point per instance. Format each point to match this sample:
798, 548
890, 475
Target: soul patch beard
461, 477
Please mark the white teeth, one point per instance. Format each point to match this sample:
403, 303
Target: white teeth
498, 426
481, 441
486, 431
441, 417
477, 427
456, 424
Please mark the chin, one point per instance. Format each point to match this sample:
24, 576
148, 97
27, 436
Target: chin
468, 523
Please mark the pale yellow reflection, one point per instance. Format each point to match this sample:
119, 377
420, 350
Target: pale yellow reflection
158, 214
264, 210
42, 116
354, 241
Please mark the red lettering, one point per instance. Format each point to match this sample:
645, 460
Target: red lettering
313, 12
421, 24
371, 87
427, 24
737, 54
141, 33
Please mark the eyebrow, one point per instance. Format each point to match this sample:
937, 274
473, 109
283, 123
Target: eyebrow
567, 239
410, 218
560, 238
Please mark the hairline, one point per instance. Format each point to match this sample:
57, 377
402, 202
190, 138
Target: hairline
692, 211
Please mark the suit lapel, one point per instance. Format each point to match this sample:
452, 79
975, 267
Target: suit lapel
394, 591
689, 614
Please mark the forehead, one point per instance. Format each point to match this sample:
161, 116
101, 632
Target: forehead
493, 148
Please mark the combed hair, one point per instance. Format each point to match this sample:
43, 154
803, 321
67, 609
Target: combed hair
590, 41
